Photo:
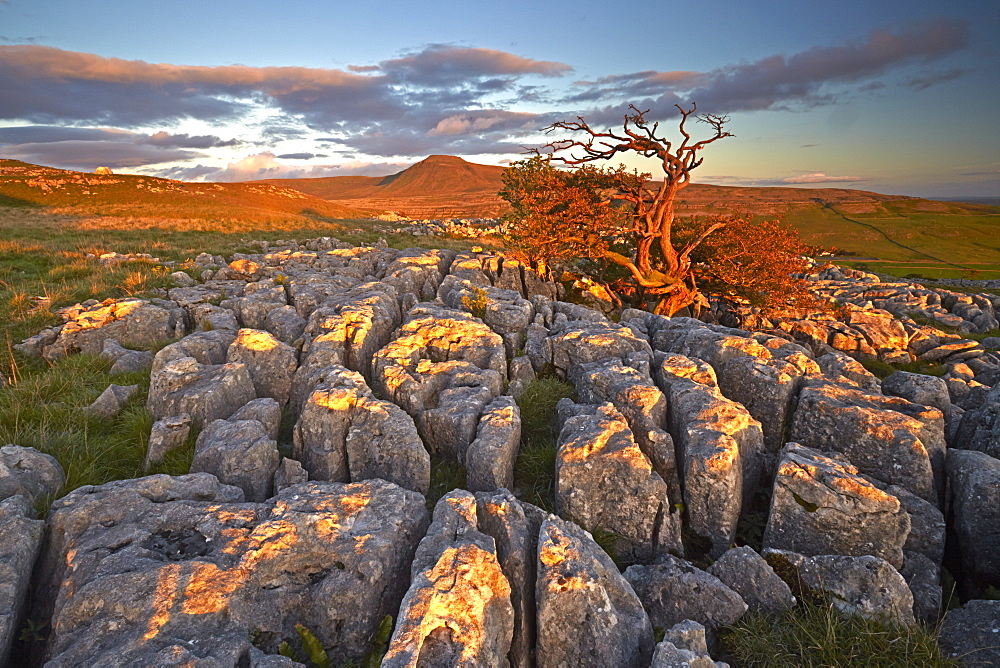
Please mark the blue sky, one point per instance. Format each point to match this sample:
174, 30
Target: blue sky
891, 96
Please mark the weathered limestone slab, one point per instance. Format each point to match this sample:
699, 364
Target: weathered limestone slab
239, 453
885, 437
489, 461
29, 473
749, 575
673, 590
206, 347
20, 540
205, 392
111, 401
822, 506
969, 633
514, 526
162, 567
974, 482
169, 433
603, 480
457, 611
355, 324
135, 322
344, 433
641, 403
588, 614
867, 586
269, 362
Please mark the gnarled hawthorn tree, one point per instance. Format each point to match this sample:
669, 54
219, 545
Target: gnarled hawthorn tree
658, 265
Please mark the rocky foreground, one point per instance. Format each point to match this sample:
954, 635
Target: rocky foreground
385, 357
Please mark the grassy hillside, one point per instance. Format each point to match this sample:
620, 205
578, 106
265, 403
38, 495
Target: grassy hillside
26, 186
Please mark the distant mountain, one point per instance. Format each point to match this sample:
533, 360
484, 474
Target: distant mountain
24, 185
442, 186
439, 186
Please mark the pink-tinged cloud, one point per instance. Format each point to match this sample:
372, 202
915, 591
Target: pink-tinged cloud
440, 62
266, 165
479, 122
819, 177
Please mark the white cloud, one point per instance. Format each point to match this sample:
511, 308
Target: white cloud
819, 177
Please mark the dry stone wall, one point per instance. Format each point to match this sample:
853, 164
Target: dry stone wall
384, 359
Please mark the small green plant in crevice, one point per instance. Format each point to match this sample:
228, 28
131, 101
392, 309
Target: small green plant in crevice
311, 651
380, 645
534, 469
476, 302
815, 634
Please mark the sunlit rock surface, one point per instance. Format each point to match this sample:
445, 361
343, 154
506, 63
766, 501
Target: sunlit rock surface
588, 613
205, 392
822, 506
457, 611
595, 447
514, 526
269, 362
888, 438
133, 322
161, 568
345, 434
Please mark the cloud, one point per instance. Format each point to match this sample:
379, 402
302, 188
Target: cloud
928, 79
266, 165
800, 80
75, 154
479, 122
819, 177
802, 179
165, 139
301, 156
436, 99
442, 64
79, 147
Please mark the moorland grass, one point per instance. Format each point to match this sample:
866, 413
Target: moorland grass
45, 410
815, 635
534, 469
44, 266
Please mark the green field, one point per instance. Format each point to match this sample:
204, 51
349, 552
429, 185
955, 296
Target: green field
960, 242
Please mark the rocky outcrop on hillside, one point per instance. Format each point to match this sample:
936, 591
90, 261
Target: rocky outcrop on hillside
382, 364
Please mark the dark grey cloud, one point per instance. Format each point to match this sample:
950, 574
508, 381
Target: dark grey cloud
29, 134
301, 156
800, 80
87, 155
80, 147
932, 78
167, 140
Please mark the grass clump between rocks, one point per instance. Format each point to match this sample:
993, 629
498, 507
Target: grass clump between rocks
814, 634
534, 469
45, 410
885, 369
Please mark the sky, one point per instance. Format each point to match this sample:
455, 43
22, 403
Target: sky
893, 96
